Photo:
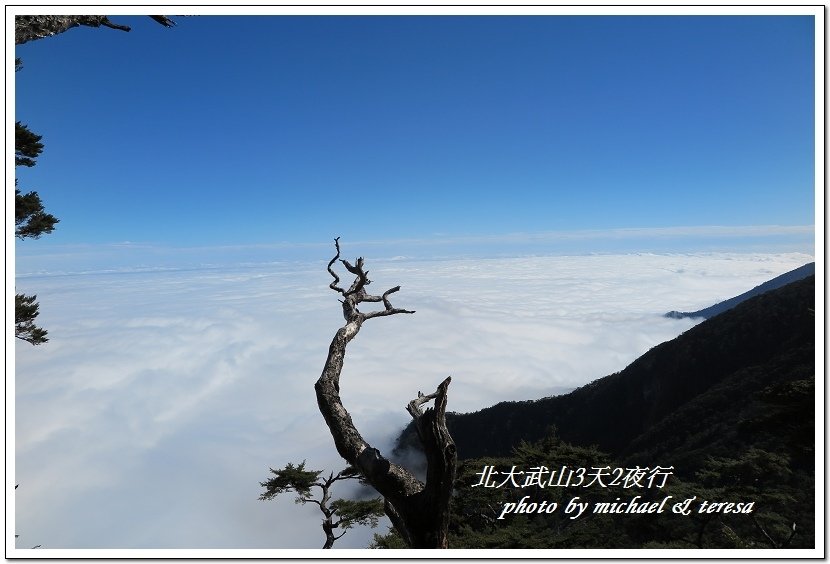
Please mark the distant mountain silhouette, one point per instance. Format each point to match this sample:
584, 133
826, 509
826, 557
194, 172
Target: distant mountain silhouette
745, 377
777, 282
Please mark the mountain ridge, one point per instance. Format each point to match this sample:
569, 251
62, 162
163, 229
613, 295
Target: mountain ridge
794, 275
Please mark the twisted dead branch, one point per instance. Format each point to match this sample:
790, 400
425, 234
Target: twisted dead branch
419, 511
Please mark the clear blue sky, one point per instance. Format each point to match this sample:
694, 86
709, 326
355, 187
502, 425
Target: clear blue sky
241, 130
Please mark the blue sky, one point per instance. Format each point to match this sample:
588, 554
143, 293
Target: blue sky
253, 130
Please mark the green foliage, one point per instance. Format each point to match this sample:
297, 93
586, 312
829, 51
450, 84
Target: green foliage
25, 312
391, 540
752, 471
339, 513
476, 509
30, 219
27, 145
554, 452
353, 512
768, 479
290, 478
779, 497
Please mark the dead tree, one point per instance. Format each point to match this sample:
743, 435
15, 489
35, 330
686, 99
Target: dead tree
29, 28
419, 511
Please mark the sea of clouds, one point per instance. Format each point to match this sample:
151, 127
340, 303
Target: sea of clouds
164, 396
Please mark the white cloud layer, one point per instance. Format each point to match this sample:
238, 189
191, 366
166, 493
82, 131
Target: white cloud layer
162, 398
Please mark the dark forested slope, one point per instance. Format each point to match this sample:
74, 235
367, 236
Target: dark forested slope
722, 380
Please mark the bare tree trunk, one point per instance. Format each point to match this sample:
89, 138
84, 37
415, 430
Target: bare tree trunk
328, 523
29, 28
420, 512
